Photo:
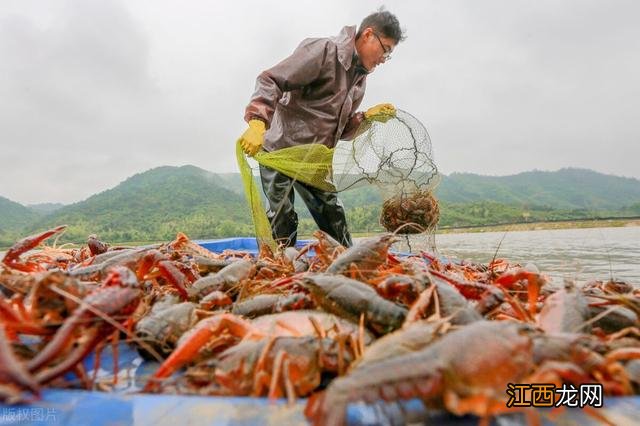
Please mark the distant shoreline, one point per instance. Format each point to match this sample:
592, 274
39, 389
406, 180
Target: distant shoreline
538, 226
532, 226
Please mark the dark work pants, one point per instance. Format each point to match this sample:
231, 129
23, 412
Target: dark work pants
325, 207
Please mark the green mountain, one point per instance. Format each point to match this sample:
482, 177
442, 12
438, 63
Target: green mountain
563, 189
233, 181
566, 189
45, 208
155, 205
160, 202
14, 215
474, 200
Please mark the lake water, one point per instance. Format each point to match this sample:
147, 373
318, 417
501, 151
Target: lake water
578, 254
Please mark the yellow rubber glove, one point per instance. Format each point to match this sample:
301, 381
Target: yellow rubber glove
253, 138
381, 113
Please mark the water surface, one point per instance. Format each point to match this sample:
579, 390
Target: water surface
579, 254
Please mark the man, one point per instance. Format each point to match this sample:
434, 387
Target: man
312, 97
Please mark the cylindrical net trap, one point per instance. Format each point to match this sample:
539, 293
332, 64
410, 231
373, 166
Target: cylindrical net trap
397, 157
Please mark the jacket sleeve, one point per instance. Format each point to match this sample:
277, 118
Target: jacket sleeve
351, 129
355, 120
298, 70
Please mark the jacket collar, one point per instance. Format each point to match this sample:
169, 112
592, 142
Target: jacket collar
345, 41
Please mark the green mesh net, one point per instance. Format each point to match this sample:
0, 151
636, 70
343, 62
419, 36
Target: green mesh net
396, 156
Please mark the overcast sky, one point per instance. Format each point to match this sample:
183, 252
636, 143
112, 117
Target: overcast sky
94, 91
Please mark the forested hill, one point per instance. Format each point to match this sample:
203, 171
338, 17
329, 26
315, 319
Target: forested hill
564, 189
156, 204
14, 215
45, 208
567, 188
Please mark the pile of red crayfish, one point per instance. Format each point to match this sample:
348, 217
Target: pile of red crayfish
335, 324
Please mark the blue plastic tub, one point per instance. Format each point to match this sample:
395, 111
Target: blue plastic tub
242, 243
124, 405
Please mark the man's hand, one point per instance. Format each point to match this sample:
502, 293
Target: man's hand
381, 113
253, 138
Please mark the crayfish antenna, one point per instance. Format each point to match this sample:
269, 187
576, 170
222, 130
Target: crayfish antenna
361, 334
317, 327
92, 337
420, 306
12, 370
262, 359
523, 314
288, 383
275, 375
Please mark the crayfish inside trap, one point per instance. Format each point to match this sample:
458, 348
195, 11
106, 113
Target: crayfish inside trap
415, 212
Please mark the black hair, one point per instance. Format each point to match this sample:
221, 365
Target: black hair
385, 23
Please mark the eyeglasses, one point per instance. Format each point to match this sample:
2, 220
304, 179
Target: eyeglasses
387, 52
